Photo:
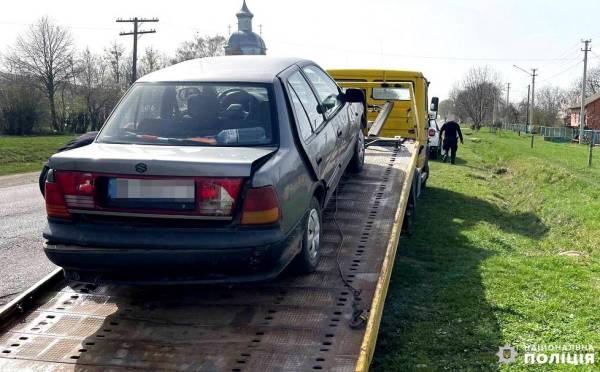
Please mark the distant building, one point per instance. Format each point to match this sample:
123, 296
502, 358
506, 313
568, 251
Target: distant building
592, 113
244, 40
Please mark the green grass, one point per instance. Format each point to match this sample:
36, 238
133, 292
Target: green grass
19, 154
483, 267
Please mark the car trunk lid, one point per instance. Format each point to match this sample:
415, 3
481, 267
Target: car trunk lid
156, 160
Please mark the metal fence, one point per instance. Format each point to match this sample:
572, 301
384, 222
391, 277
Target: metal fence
557, 133
517, 127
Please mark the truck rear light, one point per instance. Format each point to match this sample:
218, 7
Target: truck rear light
431, 132
261, 206
217, 196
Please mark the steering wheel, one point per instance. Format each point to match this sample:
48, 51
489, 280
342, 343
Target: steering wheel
234, 95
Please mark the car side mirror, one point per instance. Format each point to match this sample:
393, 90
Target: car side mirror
434, 104
353, 95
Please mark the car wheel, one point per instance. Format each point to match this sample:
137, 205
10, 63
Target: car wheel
308, 259
425, 170
358, 159
409, 214
433, 153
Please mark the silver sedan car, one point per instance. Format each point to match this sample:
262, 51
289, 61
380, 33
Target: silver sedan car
211, 170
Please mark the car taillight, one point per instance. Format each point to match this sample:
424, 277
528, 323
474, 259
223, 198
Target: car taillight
66, 190
431, 132
217, 196
260, 206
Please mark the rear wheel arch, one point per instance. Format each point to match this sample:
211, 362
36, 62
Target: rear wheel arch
320, 193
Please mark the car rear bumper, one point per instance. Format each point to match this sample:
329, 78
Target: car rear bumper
172, 255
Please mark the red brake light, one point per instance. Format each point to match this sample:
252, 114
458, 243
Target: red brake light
261, 206
431, 132
68, 190
217, 196
55, 201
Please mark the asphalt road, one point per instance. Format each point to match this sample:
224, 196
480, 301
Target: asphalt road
22, 218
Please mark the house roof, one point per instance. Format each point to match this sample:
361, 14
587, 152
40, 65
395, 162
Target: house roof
590, 99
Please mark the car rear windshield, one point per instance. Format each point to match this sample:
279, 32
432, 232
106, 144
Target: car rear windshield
194, 114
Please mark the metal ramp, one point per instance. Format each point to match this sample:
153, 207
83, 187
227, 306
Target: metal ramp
296, 323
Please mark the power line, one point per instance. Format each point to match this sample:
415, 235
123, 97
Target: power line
561, 72
76, 27
450, 58
135, 33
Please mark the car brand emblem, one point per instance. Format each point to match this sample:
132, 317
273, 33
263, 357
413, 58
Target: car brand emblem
141, 167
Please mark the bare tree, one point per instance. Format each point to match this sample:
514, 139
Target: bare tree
551, 102
97, 91
152, 60
593, 80
45, 54
446, 109
573, 94
474, 98
200, 47
20, 111
114, 57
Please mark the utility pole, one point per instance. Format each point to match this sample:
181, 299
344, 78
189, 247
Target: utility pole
533, 74
136, 32
585, 51
507, 111
494, 103
528, 98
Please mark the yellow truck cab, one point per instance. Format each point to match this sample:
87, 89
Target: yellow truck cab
408, 116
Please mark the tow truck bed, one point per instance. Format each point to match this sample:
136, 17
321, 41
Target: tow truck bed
295, 323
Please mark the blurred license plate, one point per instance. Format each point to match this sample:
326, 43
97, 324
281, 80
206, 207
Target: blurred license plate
143, 193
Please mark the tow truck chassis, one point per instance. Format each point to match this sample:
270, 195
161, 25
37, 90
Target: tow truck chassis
296, 323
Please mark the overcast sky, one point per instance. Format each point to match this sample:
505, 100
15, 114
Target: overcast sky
443, 39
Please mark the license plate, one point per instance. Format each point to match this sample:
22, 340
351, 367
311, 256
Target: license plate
156, 194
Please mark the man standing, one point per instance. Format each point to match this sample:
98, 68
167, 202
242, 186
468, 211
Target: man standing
451, 132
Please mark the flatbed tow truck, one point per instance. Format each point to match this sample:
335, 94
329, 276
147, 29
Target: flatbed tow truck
327, 320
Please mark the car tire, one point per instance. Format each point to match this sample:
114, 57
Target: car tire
424, 183
433, 153
307, 259
409, 214
357, 162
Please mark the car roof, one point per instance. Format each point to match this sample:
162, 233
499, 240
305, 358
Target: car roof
257, 69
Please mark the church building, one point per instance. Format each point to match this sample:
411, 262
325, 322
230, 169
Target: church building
244, 40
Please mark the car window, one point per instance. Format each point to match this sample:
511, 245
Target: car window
303, 121
327, 89
202, 114
304, 93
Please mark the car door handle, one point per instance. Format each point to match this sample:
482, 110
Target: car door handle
319, 161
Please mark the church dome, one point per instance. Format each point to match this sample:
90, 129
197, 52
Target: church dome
244, 40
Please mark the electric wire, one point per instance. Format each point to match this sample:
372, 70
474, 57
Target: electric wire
359, 314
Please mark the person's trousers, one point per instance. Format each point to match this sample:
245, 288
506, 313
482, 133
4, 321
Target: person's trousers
451, 145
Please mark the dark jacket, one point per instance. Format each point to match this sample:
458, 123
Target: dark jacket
452, 130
